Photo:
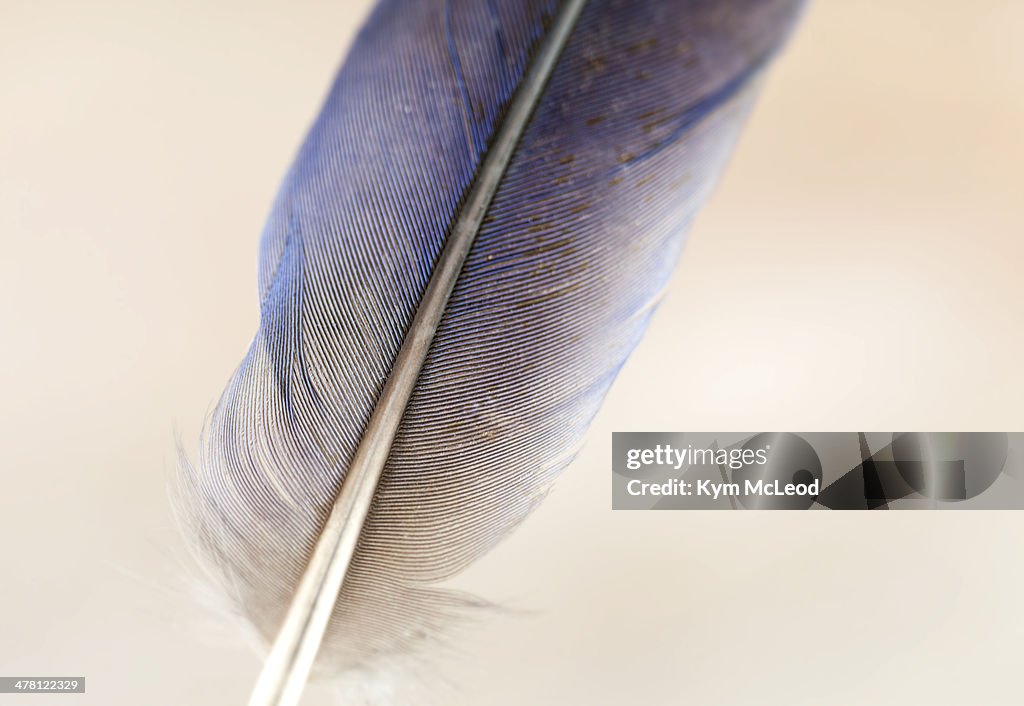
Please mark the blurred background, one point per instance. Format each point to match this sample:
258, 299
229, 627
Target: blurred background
858, 269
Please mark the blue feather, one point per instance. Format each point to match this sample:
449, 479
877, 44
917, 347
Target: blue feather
580, 240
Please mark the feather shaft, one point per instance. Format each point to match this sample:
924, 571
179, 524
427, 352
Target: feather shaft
294, 651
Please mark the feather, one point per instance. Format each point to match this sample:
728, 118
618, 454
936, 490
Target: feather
579, 240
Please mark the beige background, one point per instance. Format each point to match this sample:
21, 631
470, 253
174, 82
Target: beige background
858, 268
